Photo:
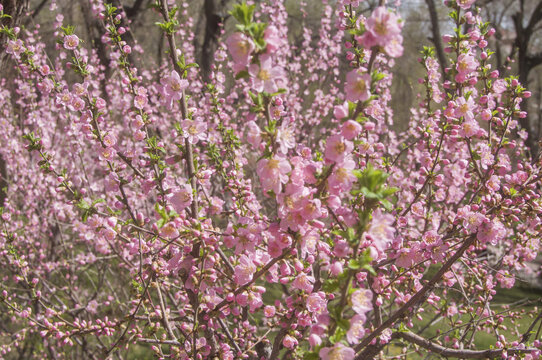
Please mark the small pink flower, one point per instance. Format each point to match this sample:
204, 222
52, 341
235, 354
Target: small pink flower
303, 282
253, 134
340, 111
240, 47
358, 86
194, 130
465, 4
316, 303
337, 148
272, 37
384, 25
265, 77
289, 342
338, 352
71, 42
245, 270
172, 87
273, 173
356, 330
269, 311
15, 47
351, 129
362, 301
181, 198
342, 177
169, 231
381, 231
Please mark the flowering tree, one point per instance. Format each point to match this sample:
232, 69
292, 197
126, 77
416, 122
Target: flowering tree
271, 212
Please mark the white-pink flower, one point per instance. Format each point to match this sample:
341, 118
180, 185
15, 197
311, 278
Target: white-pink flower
240, 47
194, 130
358, 86
273, 173
181, 198
338, 352
265, 77
362, 301
245, 270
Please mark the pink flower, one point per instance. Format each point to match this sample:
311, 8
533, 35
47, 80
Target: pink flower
253, 134
194, 130
358, 86
303, 282
351, 129
289, 342
342, 177
272, 37
15, 47
316, 303
356, 330
362, 301
273, 173
492, 232
169, 231
181, 198
265, 76
172, 87
337, 148
240, 47
244, 271
71, 42
340, 111
384, 25
269, 311
464, 108
465, 4
381, 231
338, 352
285, 137
466, 64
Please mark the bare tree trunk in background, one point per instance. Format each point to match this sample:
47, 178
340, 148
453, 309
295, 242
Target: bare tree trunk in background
214, 12
436, 38
527, 61
16, 9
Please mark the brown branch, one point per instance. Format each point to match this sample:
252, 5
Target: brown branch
414, 300
458, 353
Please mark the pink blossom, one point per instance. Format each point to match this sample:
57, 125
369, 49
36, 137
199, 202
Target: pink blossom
15, 47
303, 282
181, 197
350, 129
253, 134
381, 231
465, 4
265, 77
466, 64
273, 173
240, 47
244, 270
71, 42
340, 111
362, 301
172, 87
491, 232
273, 39
356, 330
194, 130
384, 25
337, 148
358, 86
316, 303
338, 352
342, 177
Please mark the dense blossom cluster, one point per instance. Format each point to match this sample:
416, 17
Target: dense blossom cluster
271, 211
